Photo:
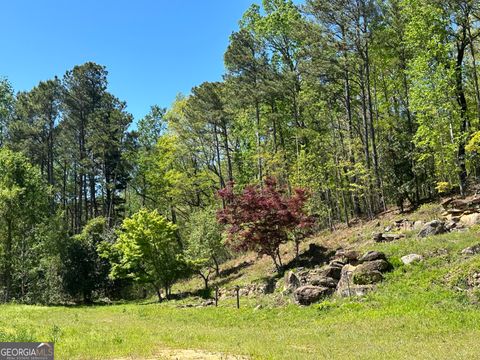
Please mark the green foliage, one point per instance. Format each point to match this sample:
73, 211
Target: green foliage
7, 101
366, 104
23, 217
83, 271
205, 248
147, 251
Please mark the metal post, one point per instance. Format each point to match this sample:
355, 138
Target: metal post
237, 289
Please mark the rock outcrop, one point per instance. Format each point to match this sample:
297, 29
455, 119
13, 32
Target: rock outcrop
351, 275
462, 212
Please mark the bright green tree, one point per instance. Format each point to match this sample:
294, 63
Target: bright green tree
24, 198
147, 252
204, 243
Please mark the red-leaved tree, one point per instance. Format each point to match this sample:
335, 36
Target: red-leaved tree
262, 218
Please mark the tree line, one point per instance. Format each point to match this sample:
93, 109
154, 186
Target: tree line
363, 104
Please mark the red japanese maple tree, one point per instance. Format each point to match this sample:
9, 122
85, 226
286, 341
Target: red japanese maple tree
262, 218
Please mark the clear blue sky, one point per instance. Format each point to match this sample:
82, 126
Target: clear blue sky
153, 49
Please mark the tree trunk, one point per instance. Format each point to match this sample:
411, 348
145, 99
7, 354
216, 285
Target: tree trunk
217, 266
159, 294
462, 101
257, 136
474, 67
217, 152
8, 260
227, 151
348, 106
205, 279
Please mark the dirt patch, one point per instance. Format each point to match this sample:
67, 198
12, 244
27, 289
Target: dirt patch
188, 355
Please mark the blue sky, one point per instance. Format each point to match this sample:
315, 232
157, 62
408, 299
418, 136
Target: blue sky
153, 49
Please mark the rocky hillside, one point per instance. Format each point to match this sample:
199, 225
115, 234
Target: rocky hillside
365, 258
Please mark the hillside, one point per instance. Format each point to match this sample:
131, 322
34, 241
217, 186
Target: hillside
425, 310
250, 272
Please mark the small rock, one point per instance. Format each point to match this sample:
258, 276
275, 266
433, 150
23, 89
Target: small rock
471, 250
392, 237
378, 237
371, 256
332, 271
351, 255
308, 294
339, 253
459, 204
411, 258
209, 302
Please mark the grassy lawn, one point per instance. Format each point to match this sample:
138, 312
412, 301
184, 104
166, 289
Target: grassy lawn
418, 312
370, 330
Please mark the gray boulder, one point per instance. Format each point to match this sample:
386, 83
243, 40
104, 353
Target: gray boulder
371, 256
375, 265
309, 294
411, 258
346, 287
370, 272
434, 227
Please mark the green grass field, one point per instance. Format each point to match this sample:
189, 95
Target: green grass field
418, 312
